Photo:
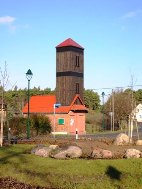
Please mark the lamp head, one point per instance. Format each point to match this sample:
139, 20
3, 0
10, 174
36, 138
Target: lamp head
103, 94
29, 75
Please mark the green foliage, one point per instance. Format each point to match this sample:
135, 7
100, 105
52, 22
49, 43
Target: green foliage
138, 96
91, 99
17, 98
40, 123
122, 105
38, 91
17, 126
93, 121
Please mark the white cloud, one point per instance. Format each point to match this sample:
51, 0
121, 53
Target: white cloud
7, 20
132, 14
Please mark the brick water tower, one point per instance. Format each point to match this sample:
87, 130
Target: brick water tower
69, 71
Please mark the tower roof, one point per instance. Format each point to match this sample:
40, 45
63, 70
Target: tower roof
69, 43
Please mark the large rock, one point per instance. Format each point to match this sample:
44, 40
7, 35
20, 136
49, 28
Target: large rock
74, 152
37, 147
121, 139
60, 155
70, 152
139, 142
101, 154
132, 153
53, 147
44, 151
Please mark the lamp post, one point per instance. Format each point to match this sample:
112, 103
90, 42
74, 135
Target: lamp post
55, 106
103, 123
29, 75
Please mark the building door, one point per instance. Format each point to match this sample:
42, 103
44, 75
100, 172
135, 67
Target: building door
72, 124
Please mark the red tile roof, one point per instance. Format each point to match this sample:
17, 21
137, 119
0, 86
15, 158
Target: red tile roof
69, 42
45, 103
78, 107
40, 104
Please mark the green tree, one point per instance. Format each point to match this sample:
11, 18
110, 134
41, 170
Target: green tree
122, 106
138, 96
17, 98
91, 99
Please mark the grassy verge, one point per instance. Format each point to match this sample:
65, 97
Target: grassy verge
18, 163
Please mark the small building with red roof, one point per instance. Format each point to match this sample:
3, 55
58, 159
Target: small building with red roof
64, 119
69, 91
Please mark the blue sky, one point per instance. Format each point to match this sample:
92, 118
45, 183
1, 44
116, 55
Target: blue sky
109, 30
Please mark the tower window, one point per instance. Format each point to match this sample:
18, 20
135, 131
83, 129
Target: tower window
77, 88
77, 61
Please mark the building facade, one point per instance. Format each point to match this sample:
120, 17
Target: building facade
137, 113
69, 71
64, 119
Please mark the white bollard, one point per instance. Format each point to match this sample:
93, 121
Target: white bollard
76, 134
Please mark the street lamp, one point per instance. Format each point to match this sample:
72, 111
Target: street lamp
29, 75
103, 123
55, 106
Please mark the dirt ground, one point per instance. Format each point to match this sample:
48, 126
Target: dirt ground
88, 145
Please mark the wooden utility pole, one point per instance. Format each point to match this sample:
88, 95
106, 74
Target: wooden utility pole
112, 110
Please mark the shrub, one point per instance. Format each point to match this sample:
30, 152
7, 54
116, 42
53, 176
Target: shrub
40, 123
17, 125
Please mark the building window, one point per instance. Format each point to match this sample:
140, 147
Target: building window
61, 121
77, 88
140, 116
77, 61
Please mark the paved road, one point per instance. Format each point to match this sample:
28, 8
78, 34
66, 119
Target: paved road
105, 134
114, 134
111, 135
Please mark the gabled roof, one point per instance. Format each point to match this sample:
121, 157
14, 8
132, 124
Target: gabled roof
40, 104
69, 43
45, 104
77, 104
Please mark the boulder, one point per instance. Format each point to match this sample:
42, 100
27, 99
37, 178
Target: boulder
101, 154
74, 152
132, 153
39, 146
43, 152
70, 152
53, 147
121, 139
96, 154
60, 155
139, 142
107, 154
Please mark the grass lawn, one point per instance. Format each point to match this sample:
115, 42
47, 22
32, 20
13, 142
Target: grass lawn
17, 162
